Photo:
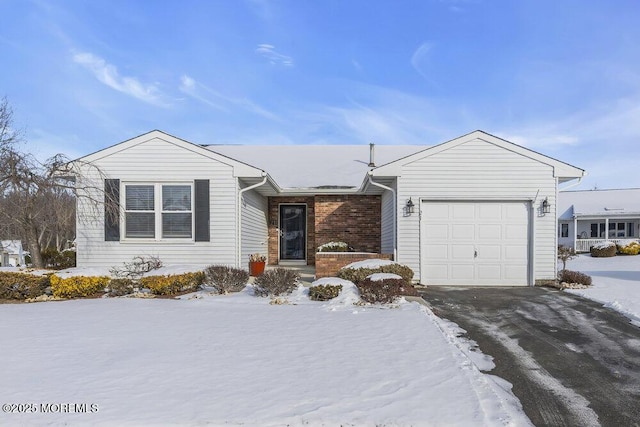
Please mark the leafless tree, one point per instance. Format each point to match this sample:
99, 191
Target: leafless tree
38, 199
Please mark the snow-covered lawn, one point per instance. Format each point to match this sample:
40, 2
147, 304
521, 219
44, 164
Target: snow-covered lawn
220, 360
616, 282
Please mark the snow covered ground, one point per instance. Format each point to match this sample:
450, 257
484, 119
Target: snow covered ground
236, 359
616, 282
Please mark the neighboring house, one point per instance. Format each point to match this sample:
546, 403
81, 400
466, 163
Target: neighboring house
11, 253
586, 218
475, 210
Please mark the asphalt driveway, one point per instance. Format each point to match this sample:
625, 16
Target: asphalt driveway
571, 361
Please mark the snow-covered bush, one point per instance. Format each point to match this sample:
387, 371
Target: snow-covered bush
628, 247
359, 271
121, 286
226, 279
384, 291
174, 283
278, 281
568, 277
604, 250
324, 292
78, 286
22, 286
334, 247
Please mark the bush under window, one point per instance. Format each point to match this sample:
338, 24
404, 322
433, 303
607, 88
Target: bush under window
226, 279
173, 284
604, 250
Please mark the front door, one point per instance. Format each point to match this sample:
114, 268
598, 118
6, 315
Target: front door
293, 232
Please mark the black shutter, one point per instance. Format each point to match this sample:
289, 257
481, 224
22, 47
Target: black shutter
112, 210
202, 210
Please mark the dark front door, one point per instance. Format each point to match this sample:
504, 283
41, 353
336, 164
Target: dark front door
293, 232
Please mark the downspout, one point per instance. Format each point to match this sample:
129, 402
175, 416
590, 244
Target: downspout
395, 202
239, 217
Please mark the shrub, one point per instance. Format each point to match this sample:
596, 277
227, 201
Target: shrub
357, 275
58, 260
604, 250
565, 253
278, 281
226, 279
569, 276
324, 292
173, 284
121, 286
334, 247
77, 286
22, 286
384, 291
137, 267
628, 247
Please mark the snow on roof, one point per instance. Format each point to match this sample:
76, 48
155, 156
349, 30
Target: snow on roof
13, 247
598, 203
313, 166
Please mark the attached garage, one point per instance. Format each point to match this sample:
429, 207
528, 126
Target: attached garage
475, 242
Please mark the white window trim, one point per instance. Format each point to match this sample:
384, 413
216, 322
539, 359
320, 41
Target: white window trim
157, 211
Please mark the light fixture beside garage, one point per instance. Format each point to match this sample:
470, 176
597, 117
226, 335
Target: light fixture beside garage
546, 206
409, 207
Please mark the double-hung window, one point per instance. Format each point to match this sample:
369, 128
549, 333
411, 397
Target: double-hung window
158, 211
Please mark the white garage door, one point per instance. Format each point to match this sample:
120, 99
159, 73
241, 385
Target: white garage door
474, 243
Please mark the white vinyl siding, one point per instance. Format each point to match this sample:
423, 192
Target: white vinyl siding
387, 222
254, 225
159, 161
478, 170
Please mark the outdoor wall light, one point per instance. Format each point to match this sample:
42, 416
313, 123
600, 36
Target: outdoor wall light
546, 206
409, 207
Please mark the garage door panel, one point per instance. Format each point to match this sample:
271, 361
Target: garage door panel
462, 231
489, 252
462, 271
489, 231
437, 272
436, 252
436, 232
490, 211
489, 271
481, 243
463, 211
461, 252
437, 211
516, 231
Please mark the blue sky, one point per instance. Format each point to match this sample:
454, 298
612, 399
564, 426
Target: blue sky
560, 77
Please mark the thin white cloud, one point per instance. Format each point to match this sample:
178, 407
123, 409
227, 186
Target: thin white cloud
205, 94
420, 60
108, 74
269, 52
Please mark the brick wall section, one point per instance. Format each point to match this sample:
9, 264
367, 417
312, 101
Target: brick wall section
274, 203
349, 218
355, 219
328, 263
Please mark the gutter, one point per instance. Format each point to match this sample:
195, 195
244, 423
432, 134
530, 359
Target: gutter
395, 208
239, 217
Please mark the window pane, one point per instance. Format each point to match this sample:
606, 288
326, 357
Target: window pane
176, 225
630, 229
139, 198
176, 197
565, 230
141, 225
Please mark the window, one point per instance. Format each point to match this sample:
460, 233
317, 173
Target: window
139, 211
564, 230
616, 230
163, 210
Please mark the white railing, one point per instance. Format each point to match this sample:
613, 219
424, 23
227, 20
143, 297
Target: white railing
584, 245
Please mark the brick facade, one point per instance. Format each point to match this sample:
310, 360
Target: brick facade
355, 219
328, 264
